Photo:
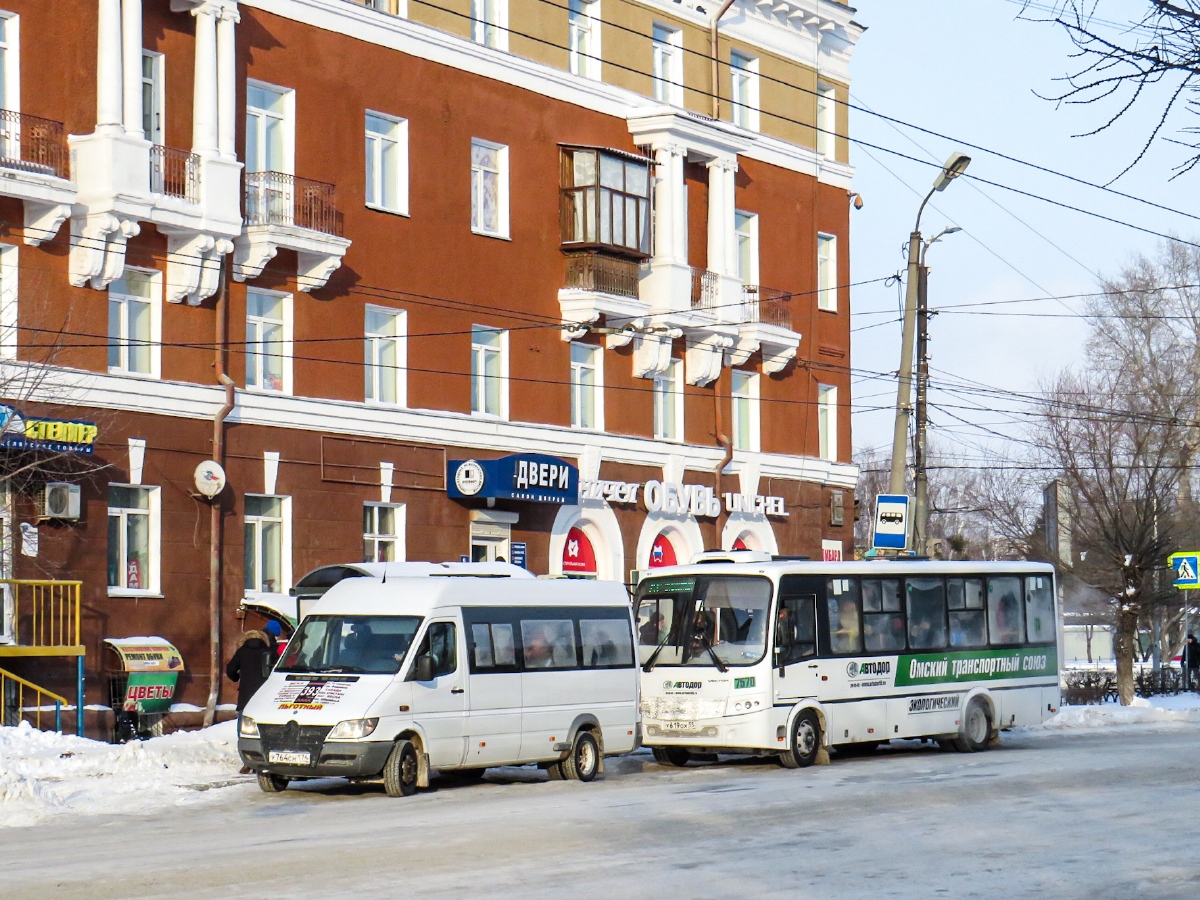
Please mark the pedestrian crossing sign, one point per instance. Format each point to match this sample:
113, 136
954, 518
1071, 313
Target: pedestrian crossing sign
1187, 570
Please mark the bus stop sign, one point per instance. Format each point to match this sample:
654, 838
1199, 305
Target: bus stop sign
891, 521
1187, 570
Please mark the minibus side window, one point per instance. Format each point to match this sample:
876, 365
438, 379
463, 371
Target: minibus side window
605, 642
482, 637
442, 641
549, 644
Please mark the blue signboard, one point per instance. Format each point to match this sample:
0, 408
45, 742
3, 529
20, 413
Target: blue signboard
1187, 570
518, 553
891, 522
521, 476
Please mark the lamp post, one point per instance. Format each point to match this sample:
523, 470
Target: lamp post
954, 166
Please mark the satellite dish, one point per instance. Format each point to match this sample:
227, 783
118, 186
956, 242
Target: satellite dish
210, 478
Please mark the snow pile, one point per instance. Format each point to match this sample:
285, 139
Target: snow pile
1181, 708
44, 774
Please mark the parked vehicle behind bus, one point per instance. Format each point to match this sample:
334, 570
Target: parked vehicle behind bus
744, 654
457, 669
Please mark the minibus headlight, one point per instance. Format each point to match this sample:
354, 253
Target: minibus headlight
352, 729
247, 727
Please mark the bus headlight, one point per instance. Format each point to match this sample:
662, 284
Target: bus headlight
247, 727
352, 729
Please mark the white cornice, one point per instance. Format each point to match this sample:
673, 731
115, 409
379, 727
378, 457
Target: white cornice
90, 390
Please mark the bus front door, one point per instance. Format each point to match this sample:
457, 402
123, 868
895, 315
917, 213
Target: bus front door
796, 671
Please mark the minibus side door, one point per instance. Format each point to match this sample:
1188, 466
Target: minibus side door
439, 677
797, 673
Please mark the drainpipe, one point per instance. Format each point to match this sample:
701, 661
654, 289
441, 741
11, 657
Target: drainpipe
216, 522
712, 39
722, 441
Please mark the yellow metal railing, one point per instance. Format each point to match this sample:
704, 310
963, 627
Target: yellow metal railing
44, 613
13, 692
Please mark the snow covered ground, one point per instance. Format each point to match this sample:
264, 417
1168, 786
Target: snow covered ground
43, 775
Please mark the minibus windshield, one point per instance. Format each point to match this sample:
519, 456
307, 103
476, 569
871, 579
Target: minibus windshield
373, 645
707, 620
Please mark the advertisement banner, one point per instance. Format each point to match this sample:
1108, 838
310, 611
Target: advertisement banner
521, 476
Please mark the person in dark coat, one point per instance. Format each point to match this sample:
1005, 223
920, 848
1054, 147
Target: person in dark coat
250, 665
1190, 660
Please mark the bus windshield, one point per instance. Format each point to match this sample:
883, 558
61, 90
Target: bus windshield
703, 620
373, 645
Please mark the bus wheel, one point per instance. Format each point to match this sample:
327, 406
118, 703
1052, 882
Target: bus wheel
583, 763
400, 770
271, 784
806, 742
672, 756
976, 728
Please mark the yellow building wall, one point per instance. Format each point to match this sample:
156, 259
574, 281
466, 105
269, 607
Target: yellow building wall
453, 16
543, 31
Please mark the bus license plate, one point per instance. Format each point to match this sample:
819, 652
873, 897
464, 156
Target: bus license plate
290, 757
679, 726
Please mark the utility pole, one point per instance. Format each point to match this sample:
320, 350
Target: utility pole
920, 449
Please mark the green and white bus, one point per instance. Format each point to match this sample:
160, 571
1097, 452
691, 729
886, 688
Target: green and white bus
744, 654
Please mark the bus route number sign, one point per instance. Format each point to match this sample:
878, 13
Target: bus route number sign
891, 521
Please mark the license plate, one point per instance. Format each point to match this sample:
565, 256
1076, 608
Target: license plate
679, 726
290, 757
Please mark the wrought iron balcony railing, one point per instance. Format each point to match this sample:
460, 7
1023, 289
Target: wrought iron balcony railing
706, 289
175, 173
33, 144
276, 198
767, 305
589, 270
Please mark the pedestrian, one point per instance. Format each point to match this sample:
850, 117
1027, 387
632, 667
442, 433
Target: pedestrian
251, 664
1190, 661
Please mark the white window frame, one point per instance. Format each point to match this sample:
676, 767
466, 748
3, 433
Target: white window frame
743, 90
399, 168
827, 421
745, 226
9, 300
747, 393
826, 119
667, 70
374, 370
396, 538
668, 393
10, 99
287, 117
154, 301
491, 32
596, 365
285, 540
153, 571
502, 225
827, 268
479, 366
287, 342
583, 41
156, 108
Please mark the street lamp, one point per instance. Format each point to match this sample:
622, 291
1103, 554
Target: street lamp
953, 167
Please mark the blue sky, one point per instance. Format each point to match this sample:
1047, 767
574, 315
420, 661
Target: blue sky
970, 70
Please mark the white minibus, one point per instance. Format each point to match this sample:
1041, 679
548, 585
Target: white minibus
458, 668
744, 654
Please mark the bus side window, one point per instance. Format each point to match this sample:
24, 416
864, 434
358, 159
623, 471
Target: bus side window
1039, 609
795, 628
926, 613
1004, 610
882, 619
845, 635
968, 627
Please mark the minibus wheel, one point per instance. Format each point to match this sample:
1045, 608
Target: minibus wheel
271, 784
672, 756
976, 728
583, 762
806, 742
400, 770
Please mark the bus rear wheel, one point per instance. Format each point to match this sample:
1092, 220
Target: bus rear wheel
672, 756
583, 762
976, 728
806, 742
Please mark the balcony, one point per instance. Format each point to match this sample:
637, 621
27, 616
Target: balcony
706, 290
592, 271
767, 326
287, 212
767, 306
600, 283
175, 173
34, 168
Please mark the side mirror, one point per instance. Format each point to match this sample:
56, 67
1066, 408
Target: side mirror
423, 668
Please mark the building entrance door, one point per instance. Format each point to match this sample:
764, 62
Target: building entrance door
491, 542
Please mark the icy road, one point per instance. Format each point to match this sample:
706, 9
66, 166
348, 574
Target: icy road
1101, 814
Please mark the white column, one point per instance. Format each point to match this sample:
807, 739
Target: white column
680, 209
664, 199
729, 176
226, 81
108, 64
204, 103
131, 51
718, 229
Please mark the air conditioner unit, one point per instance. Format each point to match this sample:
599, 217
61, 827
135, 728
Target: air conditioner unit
61, 501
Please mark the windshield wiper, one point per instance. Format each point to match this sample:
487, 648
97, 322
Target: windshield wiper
721, 667
649, 666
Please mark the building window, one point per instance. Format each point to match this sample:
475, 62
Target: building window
587, 386
153, 96
135, 324
827, 272
827, 421
489, 188
668, 65
826, 120
668, 403
583, 20
744, 395
268, 128
387, 163
606, 200
489, 390
387, 6
383, 527
133, 514
386, 358
9, 282
489, 25
268, 360
743, 93
265, 542
746, 226
10, 69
